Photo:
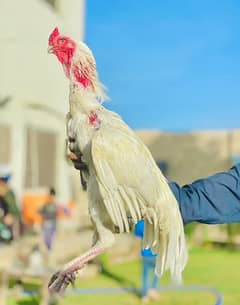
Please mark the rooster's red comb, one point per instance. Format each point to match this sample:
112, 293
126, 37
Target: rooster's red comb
53, 35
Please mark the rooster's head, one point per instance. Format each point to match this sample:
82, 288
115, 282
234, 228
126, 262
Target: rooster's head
76, 58
78, 62
63, 47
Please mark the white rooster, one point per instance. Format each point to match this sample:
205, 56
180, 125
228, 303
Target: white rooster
124, 182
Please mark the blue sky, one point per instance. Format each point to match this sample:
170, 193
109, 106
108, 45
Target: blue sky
169, 65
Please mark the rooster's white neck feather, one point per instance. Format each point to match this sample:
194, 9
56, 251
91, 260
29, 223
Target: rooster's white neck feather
84, 61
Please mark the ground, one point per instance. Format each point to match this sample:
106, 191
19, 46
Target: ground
217, 268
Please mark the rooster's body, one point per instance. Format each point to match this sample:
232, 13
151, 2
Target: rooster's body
124, 183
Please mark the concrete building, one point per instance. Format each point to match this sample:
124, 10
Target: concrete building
34, 92
193, 155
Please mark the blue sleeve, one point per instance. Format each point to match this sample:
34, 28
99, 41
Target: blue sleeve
139, 229
213, 200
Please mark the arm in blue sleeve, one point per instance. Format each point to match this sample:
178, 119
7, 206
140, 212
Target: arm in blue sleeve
213, 200
139, 229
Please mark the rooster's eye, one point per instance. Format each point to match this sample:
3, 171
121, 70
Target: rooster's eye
61, 41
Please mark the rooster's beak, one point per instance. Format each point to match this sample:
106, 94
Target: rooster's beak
50, 50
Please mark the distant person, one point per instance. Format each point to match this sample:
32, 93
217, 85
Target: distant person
49, 219
5, 221
13, 217
149, 279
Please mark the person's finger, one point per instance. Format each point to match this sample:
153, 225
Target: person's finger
73, 156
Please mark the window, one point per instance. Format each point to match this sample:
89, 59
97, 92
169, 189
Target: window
5, 140
40, 159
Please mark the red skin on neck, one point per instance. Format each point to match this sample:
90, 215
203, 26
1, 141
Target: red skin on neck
93, 119
84, 80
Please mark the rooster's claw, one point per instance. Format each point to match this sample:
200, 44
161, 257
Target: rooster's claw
60, 280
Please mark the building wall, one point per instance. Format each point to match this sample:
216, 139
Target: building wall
191, 156
35, 83
27, 71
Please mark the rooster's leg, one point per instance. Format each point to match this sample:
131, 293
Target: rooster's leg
61, 279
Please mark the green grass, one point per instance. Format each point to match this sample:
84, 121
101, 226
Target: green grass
208, 267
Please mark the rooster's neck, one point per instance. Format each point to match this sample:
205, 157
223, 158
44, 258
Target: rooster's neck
84, 80
82, 100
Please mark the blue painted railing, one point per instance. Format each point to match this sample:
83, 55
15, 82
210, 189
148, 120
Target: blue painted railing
119, 290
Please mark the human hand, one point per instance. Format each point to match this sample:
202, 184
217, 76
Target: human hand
77, 161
